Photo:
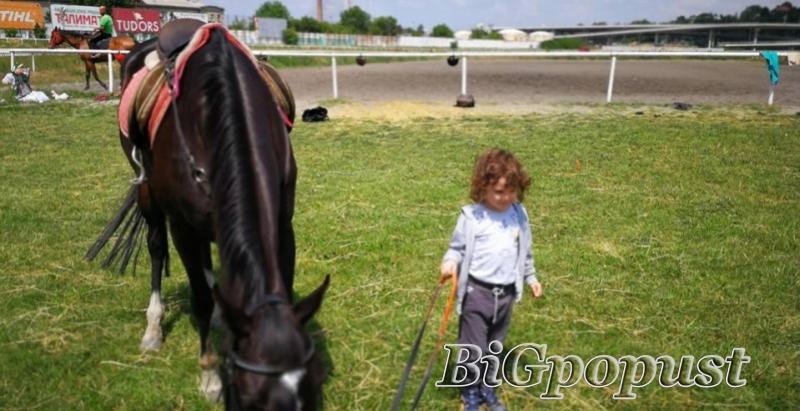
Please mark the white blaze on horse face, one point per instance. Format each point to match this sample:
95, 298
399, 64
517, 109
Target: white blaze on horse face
291, 380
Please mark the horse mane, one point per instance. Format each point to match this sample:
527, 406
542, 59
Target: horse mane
72, 33
244, 179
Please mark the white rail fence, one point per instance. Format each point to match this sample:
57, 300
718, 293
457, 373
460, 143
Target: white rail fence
462, 56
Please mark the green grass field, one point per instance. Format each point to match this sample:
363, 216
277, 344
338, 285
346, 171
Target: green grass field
677, 236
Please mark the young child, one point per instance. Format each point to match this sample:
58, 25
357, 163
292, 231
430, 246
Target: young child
490, 250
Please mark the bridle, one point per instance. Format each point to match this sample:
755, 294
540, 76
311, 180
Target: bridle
234, 361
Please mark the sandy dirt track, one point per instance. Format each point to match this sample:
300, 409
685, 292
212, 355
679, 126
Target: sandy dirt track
535, 82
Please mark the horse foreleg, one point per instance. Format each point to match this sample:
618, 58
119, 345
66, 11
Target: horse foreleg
195, 254
88, 73
157, 245
96, 77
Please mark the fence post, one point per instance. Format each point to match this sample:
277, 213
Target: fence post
110, 74
464, 76
33, 61
611, 78
335, 86
771, 93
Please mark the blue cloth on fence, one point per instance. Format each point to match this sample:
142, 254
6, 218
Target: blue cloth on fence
772, 65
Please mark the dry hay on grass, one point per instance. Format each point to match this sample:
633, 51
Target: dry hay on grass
404, 111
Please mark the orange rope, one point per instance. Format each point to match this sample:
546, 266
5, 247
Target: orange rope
447, 309
442, 331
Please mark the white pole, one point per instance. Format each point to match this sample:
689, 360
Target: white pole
335, 86
12, 61
611, 78
110, 75
33, 61
771, 93
464, 76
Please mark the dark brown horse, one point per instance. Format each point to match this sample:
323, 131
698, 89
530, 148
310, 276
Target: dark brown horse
80, 42
221, 169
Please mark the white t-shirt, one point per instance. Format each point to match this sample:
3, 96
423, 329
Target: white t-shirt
494, 258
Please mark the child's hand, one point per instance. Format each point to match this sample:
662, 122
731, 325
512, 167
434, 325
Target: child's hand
536, 289
448, 269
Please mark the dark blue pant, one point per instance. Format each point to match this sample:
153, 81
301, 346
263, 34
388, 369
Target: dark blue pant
485, 317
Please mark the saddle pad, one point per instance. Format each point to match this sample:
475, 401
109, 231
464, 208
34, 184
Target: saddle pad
126, 101
143, 98
147, 95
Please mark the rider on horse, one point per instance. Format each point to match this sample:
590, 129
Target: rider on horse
104, 31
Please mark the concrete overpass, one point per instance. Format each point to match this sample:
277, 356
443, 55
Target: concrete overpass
715, 31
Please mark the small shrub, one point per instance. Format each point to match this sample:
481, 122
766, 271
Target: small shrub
39, 31
290, 37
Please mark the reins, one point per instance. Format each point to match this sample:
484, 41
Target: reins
198, 173
415, 348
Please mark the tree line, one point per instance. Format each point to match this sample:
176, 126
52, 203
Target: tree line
782, 13
354, 20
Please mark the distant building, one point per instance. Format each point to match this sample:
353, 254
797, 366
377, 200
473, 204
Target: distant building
462, 35
175, 9
513, 35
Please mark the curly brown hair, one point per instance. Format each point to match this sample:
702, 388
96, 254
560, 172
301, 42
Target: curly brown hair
493, 165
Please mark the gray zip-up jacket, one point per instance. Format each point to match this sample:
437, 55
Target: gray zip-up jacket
462, 244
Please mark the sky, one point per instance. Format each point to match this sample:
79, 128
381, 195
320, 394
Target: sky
467, 14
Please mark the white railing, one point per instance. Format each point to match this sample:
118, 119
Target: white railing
461, 55
14, 53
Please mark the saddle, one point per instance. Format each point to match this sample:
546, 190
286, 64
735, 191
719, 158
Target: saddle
175, 35
100, 45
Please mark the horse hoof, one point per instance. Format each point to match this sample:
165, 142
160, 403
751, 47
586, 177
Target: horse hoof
150, 344
211, 385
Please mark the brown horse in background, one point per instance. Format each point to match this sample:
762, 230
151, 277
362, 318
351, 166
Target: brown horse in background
80, 42
220, 168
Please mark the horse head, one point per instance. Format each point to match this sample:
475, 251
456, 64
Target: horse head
55, 39
270, 360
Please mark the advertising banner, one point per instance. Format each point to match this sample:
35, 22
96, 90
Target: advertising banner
76, 18
136, 20
172, 15
270, 28
21, 16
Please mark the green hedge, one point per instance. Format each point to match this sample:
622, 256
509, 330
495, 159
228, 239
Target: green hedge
563, 44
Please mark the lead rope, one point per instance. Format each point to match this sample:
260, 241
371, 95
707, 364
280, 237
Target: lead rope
415, 348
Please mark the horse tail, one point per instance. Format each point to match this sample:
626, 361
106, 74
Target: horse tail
128, 238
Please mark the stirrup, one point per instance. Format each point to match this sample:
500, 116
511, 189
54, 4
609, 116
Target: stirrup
137, 159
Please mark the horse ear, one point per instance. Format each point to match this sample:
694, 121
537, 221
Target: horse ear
234, 323
306, 308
